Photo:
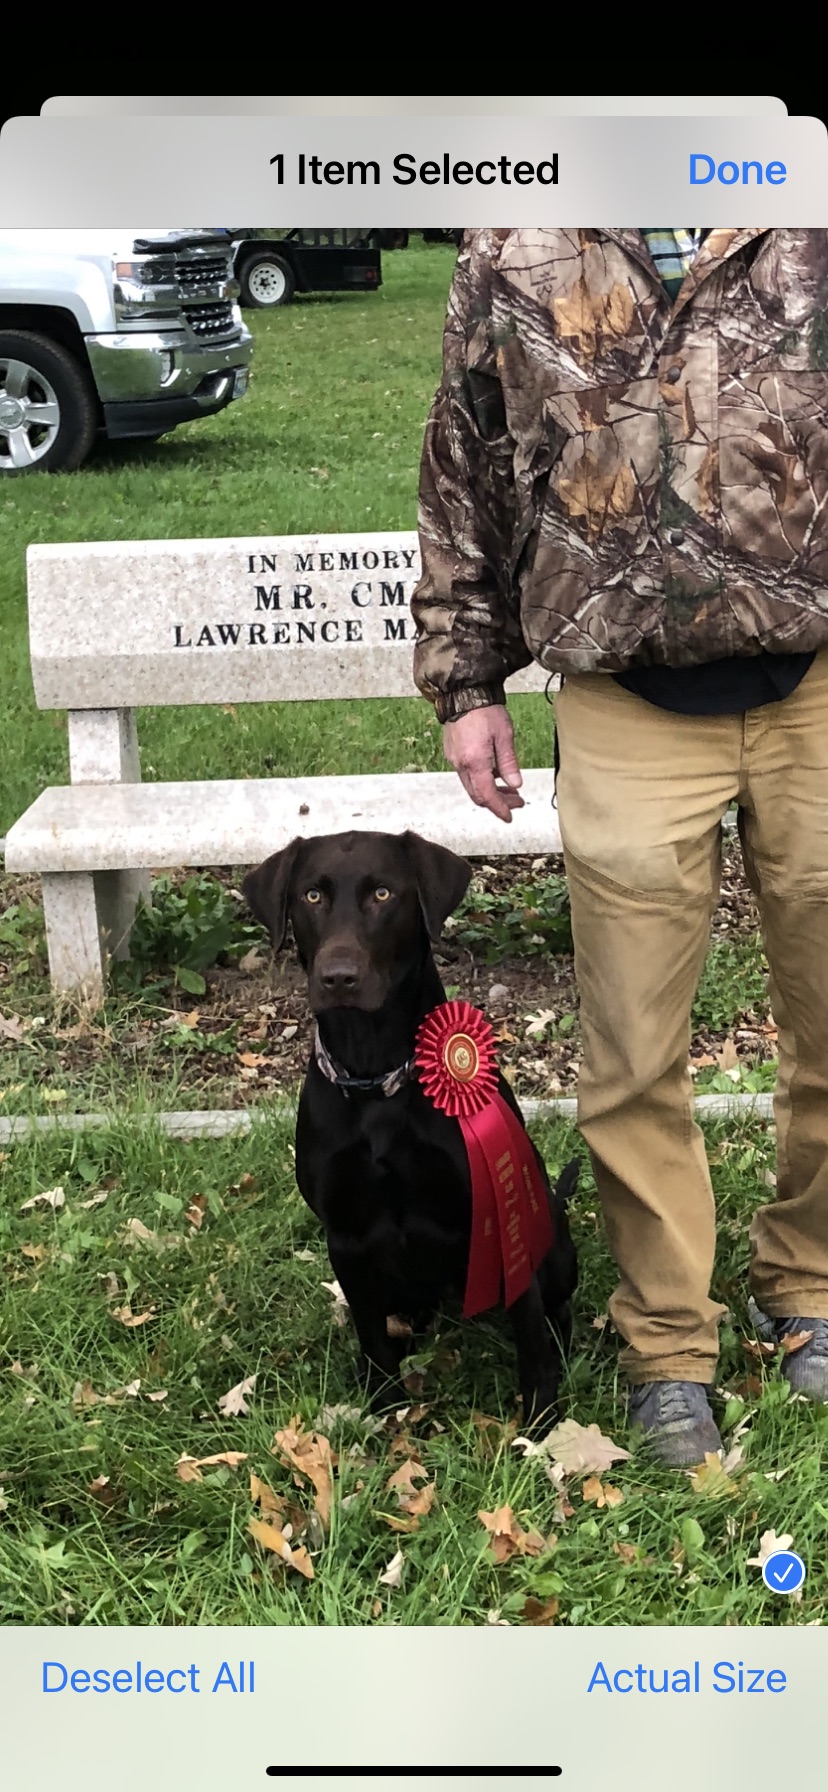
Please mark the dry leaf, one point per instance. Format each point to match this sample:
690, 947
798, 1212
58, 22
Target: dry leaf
627, 1551
195, 1211
398, 1328
393, 1573
188, 1468
582, 1449
12, 1027
340, 1308
163, 1395
310, 1453
137, 1229
540, 1611
251, 960
756, 1347
507, 1538
710, 1478
37, 1252
305, 1256
96, 1200
270, 1537
252, 1060
603, 1495
126, 1316
769, 1543
795, 1340
51, 1197
233, 1403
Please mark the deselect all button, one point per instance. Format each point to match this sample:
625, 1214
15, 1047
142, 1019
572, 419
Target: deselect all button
703, 170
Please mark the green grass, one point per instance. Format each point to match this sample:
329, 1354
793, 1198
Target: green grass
233, 1300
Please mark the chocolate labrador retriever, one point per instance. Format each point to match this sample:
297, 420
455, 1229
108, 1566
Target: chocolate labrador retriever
386, 1171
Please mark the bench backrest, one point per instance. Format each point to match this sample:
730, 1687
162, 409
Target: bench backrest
128, 624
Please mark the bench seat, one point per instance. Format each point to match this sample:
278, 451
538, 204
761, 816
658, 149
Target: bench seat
94, 844
112, 827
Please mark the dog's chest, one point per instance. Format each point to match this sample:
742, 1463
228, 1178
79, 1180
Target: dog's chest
395, 1175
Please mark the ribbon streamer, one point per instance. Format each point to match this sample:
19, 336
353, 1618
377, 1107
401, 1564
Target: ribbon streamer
511, 1229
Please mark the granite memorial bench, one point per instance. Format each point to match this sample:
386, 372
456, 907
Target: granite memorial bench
115, 626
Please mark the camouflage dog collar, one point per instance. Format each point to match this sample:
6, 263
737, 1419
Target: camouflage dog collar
390, 1083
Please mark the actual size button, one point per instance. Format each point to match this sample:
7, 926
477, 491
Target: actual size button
676, 538
673, 375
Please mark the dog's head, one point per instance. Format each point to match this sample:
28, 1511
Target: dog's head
362, 907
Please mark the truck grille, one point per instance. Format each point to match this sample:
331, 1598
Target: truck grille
210, 320
192, 275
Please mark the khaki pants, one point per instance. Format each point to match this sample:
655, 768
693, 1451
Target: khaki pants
641, 795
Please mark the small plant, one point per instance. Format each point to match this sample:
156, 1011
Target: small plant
21, 935
520, 923
188, 928
734, 982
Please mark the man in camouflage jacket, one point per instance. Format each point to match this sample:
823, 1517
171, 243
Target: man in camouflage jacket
625, 478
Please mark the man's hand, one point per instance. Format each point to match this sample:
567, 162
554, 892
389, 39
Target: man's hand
481, 748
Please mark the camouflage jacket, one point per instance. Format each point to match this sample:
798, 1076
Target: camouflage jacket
612, 478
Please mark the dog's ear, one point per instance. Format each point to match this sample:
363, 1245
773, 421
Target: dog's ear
442, 880
266, 891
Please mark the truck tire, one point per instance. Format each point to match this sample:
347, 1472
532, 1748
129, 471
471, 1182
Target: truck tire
266, 280
48, 407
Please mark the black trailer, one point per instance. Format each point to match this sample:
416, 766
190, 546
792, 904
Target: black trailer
271, 269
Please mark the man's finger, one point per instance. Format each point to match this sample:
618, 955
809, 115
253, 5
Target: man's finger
481, 787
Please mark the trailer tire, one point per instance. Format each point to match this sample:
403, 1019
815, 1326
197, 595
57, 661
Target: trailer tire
266, 280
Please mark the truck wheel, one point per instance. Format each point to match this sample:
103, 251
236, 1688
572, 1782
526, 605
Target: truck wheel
266, 280
48, 409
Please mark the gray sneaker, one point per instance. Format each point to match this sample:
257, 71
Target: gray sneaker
677, 1421
806, 1369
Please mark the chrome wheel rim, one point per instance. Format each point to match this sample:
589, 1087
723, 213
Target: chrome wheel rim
29, 415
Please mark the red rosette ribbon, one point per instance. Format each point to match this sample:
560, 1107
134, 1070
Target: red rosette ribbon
511, 1229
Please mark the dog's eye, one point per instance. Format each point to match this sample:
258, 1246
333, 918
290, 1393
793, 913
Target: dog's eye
313, 895
382, 894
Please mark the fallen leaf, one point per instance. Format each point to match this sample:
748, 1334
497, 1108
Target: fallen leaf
398, 1328
340, 1308
163, 1395
728, 1057
251, 1060
251, 961
310, 1453
627, 1551
495, 1618
51, 1197
756, 1347
581, 1449
12, 1027
137, 1229
233, 1404
54, 1095
769, 1543
603, 1495
795, 1340
393, 1573
37, 1252
96, 1200
600, 1321
188, 1468
270, 1537
126, 1316
538, 1023
540, 1611
507, 1538
331, 1416
305, 1256
710, 1479
195, 1211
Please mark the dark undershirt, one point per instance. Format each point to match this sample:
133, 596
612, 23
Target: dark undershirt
724, 687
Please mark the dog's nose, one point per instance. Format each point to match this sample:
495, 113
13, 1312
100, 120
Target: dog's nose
340, 979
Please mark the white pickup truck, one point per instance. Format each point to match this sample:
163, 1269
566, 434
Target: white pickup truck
114, 332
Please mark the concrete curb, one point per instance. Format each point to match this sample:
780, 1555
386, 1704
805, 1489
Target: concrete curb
219, 1123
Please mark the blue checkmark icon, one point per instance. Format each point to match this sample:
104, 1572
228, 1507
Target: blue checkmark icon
784, 1572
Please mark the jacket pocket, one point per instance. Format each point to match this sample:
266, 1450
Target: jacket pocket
773, 468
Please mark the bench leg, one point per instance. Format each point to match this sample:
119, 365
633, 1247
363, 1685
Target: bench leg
89, 917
